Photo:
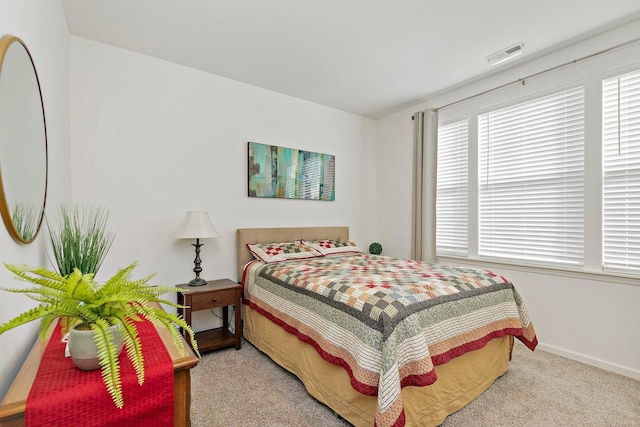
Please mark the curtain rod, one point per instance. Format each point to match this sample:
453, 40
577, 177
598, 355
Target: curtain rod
539, 73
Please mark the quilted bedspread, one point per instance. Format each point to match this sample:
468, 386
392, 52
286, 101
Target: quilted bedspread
387, 321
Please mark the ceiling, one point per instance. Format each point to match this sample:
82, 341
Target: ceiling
368, 57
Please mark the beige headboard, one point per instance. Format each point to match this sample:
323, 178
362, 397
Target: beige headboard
279, 235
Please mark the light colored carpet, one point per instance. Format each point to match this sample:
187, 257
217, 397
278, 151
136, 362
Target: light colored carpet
245, 388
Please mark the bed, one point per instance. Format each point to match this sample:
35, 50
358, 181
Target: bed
388, 376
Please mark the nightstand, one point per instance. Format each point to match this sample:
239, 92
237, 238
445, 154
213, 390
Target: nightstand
216, 293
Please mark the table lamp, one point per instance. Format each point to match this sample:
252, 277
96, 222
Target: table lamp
197, 225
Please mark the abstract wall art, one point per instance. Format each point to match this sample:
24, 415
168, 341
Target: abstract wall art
288, 173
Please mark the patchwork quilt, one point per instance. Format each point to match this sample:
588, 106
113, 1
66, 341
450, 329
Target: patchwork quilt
387, 321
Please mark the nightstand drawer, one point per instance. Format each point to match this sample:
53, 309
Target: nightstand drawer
207, 300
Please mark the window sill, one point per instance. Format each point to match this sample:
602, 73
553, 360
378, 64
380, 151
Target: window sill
576, 274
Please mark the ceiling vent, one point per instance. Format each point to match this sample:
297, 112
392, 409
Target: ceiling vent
505, 54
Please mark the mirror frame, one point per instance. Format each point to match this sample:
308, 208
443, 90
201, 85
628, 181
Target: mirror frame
5, 42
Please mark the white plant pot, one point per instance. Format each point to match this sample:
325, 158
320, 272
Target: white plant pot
82, 347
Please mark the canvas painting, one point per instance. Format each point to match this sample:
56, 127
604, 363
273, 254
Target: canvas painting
288, 173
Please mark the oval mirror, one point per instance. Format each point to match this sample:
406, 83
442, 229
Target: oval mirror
23, 142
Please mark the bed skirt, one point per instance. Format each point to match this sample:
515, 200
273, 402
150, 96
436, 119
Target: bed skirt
459, 382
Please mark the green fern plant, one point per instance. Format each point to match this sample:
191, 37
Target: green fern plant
79, 301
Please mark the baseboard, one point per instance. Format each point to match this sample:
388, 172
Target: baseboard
589, 360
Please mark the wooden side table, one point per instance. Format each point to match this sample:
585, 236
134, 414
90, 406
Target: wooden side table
216, 293
13, 405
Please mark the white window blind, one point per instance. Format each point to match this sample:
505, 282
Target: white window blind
621, 172
452, 189
531, 195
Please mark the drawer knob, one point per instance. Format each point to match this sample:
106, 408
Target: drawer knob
214, 300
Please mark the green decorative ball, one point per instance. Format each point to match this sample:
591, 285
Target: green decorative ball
375, 248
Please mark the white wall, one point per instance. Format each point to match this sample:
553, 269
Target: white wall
583, 317
152, 140
41, 24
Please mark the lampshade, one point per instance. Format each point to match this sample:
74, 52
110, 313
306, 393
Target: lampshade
196, 225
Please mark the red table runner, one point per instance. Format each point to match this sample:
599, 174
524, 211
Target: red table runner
63, 395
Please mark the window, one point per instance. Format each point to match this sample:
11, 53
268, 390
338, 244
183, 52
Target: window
531, 181
621, 173
453, 189
546, 177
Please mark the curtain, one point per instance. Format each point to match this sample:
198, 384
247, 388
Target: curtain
417, 201
425, 158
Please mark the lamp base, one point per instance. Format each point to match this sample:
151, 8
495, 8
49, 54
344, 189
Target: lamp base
197, 282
